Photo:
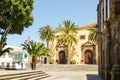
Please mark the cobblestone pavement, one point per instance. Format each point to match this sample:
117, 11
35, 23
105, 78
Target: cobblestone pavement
71, 72
67, 67
73, 75
65, 72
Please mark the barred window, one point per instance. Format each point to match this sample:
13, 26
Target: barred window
82, 36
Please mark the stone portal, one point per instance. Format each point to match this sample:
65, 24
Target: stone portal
62, 59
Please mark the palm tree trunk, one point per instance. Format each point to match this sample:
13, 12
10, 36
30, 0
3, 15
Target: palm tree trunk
47, 44
70, 51
68, 54
33, 64
47, 47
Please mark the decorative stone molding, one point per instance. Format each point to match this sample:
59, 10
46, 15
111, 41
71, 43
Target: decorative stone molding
117, 7
116, 72
107, 23
112, 7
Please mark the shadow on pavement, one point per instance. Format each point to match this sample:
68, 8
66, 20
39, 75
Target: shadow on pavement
93, 77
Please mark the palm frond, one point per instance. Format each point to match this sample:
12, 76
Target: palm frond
93, 36
68, 32
35, 48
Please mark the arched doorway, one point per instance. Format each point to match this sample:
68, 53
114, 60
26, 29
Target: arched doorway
62, 59
88, 57
45, 60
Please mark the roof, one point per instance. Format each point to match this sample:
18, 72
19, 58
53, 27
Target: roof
87, 26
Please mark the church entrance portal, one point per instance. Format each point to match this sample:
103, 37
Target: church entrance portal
62, 59
88, 57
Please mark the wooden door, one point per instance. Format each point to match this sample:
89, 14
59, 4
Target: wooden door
88, 57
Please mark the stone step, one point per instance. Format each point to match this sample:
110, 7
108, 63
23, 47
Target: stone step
20, 75
29, 77
24, 75
40, 77
16, 73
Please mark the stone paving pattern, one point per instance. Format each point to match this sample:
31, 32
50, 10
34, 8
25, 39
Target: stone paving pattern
71, 72
65, 72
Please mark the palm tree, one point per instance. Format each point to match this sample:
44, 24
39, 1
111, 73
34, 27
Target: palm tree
93, 36
68, 32
35, 49
67, 36
47, 33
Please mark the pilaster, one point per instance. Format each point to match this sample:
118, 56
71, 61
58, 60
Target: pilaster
116, 66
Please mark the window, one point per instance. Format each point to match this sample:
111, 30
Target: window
82, 36
25, 56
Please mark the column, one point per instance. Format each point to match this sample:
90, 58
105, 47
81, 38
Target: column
108, 48
116, 66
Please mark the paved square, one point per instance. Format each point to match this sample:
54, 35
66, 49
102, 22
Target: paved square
73, 75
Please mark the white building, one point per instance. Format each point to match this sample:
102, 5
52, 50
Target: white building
17, 58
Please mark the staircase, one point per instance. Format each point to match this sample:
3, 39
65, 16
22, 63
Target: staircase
24, 75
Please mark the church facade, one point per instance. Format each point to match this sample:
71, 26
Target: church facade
84, 52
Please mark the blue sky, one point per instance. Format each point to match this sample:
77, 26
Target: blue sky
53, 12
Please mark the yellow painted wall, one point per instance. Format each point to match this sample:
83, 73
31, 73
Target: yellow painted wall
75, 52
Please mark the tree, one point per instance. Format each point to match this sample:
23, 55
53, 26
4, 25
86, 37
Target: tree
68, 32
93, 36
47, 33
5, 50
35, 49
15, 15
67, 36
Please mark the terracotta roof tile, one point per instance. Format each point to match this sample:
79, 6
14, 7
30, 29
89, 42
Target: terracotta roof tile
87, 26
